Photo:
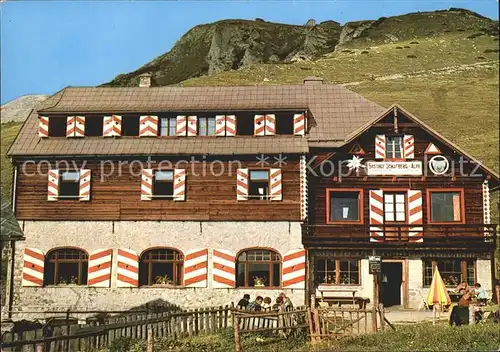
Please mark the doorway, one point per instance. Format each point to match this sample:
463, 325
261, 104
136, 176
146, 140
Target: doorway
391, 284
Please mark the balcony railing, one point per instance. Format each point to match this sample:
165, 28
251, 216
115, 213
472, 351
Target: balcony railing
478, 235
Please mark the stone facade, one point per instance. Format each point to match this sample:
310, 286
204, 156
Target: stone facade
139, 236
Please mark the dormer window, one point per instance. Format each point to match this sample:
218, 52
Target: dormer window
130, 126
394, 147
93, 126
57, 126
168, 126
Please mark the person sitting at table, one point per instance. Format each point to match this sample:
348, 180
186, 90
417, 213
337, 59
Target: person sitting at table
464, 301
462, 287
480, 293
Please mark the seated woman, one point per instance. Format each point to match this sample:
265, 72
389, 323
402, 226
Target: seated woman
462, 287
480, 294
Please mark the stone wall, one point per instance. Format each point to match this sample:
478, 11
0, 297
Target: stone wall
139, 236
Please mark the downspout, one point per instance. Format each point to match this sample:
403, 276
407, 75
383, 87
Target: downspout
11, 268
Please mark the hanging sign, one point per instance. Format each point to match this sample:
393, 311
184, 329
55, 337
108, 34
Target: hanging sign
374, 264
393, 168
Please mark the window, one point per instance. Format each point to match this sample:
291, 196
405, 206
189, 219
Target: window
337, 271
161, 266
206, 126
93, 126
394, 147
57, 126
163, 183
344, 205
453, 271
66, 266
445, 205
168, 126
258, 187
284, 124
394, 207
258, 268
130, 126
69, 184
245, 125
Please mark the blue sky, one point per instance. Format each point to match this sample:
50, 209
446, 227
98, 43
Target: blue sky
47, 45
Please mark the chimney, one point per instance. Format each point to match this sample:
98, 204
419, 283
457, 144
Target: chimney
146, 80
313, 80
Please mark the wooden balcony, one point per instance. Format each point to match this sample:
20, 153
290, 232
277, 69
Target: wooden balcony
474, 236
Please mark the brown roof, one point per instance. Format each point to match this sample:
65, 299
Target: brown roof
334, 113
29, 144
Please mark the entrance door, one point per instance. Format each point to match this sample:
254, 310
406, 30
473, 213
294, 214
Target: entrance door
392, 279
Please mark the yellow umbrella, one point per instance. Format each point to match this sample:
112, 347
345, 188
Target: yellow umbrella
437, 294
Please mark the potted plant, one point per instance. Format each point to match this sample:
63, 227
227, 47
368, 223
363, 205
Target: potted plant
164, 280
259, 281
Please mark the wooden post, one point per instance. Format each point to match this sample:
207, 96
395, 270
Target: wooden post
312, 304
381, 312
150, 340
236, 324
375, 302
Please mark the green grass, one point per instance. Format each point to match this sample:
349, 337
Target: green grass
416, 337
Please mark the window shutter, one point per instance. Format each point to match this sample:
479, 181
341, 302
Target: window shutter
127, 272
112, 126
270, 125
376, 215
79, 126
486, 203
220, 125
192, 128
415, 216
299, 124
294, 269
34, 262
181, 126
223, 271
147, 184
196, 268
380, 146
99, 273
242, 184
148, 126
276, 188
84, 185
53, 185
43, 127
409, 146
179, 185
117, 128
230, 125
70, 126
259, 125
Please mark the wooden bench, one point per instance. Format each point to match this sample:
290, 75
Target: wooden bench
348, 297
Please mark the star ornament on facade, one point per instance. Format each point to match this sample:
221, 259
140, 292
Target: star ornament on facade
355, 163
280, 160
262, 160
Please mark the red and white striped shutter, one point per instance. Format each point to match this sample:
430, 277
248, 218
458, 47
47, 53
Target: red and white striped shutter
294, 269
486, 203
270, 125
223, 271
376, 215
117, 125
415, 216
380, 146
196, 268
180, 129
276, 185
230, 125
34, 262
220, 125
409, 145
79, 126
53, 185
147, 184
107, 126
299, 124
179, 185
99, 274
43, 127
127, 271
148, 126
192, 127
259, 125
242, 184
84, 185
70, 126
